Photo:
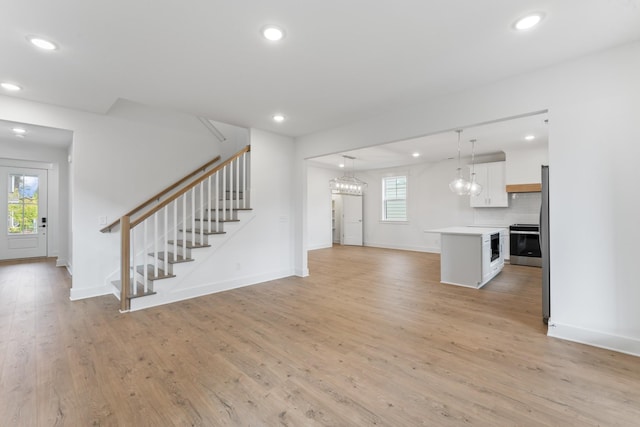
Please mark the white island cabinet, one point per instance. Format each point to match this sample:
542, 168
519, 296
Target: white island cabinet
470, 256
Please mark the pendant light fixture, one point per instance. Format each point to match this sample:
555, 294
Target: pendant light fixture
459, 185
474, 188
348, 184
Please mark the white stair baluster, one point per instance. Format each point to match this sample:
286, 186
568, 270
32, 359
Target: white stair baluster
165, 235
218, 201
208, 205
144, 246
237, 183
244, 180
193, 217
132, 286
231, 192
202, 211
184, 226
224, 192
175, 232
155, 247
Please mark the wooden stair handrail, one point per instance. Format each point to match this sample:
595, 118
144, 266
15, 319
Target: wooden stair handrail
188, 187
162, 193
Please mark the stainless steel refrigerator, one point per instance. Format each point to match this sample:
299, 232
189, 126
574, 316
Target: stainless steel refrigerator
544, 246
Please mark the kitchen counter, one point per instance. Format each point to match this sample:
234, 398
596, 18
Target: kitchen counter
470, 230
470, 256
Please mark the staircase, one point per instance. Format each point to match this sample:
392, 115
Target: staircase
158, 239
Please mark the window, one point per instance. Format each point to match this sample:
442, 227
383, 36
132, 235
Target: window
23, 204
394, 198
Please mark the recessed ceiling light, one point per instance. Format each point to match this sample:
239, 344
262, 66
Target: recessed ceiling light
341, 165
278, 118
42, 43
529, 137
416, 154
272, 33
12, 87
528, 21
19, 130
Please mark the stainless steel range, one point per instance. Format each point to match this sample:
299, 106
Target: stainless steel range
524, 245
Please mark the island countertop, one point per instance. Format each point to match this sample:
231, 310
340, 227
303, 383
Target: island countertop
471, 231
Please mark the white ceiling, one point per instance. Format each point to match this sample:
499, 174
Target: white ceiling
56, 138
341, 61
491, 139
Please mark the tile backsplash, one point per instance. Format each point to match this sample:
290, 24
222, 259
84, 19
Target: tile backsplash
524, 208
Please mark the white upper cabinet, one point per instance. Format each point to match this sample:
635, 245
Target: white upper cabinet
492, 178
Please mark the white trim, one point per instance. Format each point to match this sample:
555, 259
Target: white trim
83, 293
206, 289
594, 338
320, 246
61, 262
406, 198
32, 164
403, 247
302, 273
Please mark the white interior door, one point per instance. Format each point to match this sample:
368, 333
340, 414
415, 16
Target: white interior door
23, 213
352, 220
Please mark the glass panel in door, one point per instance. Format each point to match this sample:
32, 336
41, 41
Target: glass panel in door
22, 204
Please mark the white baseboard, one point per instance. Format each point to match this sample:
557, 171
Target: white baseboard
205, 289
83, 293
594, 338
61, 262
323, 246
302, 273
403, 247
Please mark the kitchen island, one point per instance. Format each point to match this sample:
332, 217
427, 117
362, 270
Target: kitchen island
470, 256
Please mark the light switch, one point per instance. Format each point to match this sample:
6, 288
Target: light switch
102, 220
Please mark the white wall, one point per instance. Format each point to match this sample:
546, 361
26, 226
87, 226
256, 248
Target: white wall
124, 157
70, 211
319, 206
58, 190
593, 105
258, 248
523, 164
430, 205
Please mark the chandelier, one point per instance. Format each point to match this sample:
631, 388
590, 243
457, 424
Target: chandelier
348, 184
461, 186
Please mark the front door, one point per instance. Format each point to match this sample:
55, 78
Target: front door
351, 220
23, 197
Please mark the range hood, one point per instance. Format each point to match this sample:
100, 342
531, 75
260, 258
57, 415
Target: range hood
524, 188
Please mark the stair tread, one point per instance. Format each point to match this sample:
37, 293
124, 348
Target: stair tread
190, 245
151, 270
221, 220
141, 292
172, 258
205, 232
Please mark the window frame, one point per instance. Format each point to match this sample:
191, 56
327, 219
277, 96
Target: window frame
384, 218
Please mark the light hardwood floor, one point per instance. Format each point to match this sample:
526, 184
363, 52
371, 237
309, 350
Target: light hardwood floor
370, 338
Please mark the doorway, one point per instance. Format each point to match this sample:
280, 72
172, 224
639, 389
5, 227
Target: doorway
347, 219
23, 213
